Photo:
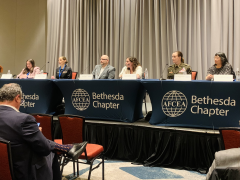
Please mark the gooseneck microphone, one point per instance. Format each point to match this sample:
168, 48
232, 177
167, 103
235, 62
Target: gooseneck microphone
84, 70
161, 77
44, 65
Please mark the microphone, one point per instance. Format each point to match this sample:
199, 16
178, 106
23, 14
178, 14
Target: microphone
161, 77
44, 65
85, 69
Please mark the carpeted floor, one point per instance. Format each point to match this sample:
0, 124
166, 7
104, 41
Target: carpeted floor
120, 170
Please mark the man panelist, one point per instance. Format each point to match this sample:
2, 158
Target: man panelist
33, 155
104, 70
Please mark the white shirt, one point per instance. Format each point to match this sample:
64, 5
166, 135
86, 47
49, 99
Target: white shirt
138, 71
102, 69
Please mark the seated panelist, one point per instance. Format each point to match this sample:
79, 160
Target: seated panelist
29, 71
104, 70
221, 66
63, 71
179, 67
132, 66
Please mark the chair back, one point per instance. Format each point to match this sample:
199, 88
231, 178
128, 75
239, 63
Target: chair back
194, 75
72, 128
230, 137
6, 167
74, 75
46, 122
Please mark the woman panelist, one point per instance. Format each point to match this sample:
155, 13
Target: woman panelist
29, 71
132, 66
63, 71
221, 66
179, 67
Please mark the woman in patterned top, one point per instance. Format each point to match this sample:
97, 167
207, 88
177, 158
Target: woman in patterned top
221, 66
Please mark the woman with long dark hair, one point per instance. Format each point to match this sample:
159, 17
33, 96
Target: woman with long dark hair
29, 71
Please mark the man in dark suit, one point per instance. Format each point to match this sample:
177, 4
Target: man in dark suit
104, 70
32, 154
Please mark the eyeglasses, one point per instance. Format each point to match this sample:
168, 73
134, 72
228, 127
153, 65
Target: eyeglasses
22, 101
103, 59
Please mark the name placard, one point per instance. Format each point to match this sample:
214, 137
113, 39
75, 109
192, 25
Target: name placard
40, 76
86, 77
129, 76
220, 77
7, 76
182, 77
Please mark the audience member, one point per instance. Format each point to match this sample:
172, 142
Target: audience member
33, 156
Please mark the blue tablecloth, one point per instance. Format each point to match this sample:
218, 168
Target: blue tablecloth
41, 96
202, 104
117, 100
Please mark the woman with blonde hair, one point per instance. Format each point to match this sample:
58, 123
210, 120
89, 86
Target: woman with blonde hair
63, 71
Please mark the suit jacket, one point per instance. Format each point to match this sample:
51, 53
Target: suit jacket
108, 72
66, 74
29, 147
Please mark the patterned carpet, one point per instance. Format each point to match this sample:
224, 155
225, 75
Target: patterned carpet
120, 170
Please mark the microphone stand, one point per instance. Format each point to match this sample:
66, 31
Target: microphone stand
161, 77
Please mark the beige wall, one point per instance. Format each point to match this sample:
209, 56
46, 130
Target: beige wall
22, 33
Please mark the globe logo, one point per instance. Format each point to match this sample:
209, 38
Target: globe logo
80, 99
174, 103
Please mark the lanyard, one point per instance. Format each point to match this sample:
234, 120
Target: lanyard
61, 70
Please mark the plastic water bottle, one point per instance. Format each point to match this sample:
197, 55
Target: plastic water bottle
237, 75
41, 72
9, 72
184, 70
146, 73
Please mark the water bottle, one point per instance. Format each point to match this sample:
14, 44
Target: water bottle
9, 72
146, 73
237, 75
96, 75
184, 70
41, 72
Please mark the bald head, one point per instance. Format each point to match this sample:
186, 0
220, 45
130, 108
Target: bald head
104, 60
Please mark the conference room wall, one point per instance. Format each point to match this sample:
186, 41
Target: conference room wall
22, 33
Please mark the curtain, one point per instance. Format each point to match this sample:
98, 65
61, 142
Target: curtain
151, 30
